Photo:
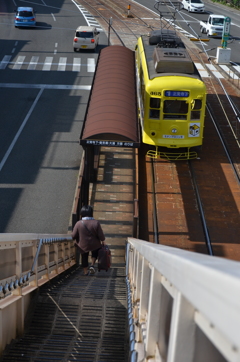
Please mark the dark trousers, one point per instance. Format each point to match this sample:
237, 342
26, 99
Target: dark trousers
85, 257
77, 255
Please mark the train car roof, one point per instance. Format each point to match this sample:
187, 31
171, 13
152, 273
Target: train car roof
111, 116
165, 59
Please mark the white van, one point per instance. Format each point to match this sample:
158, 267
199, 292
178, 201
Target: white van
196, 6
86, 37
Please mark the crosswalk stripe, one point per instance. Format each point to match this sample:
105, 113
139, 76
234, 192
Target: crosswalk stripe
237, 68
62, 64
229, 72
215, 71
5, 61
33, 63
76, 65
202, 71
91, 65
48, 63
19, 62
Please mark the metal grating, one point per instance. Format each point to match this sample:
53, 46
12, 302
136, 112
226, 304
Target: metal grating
76, 318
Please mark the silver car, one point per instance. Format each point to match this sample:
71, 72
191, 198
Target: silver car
196, 6
86, 37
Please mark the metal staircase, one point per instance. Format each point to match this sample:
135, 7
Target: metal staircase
76, 318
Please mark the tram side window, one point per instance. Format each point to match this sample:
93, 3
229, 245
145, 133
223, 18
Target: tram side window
142, 86
154, 110
143, 90
196, 109
175, 109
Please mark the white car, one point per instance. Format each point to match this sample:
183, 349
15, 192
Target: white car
195, 6
86, 37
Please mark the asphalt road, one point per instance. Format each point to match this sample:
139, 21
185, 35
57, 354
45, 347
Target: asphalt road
44, 90
189, 22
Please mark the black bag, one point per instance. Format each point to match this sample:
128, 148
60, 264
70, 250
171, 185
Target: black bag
104, 258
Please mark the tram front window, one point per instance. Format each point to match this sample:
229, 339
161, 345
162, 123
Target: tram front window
175, 109
196, 106
154, 110
154, 113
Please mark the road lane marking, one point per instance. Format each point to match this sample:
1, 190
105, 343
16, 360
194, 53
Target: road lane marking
203, 72
91, 65
215, 71
45, 86
229, 71
55, 50
237, 67
42, 87
33, 63
85, 13
5, 61
48, 63
76, 64
19, 62
20, 129
62, 64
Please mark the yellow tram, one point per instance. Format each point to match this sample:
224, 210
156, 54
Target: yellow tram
171, 97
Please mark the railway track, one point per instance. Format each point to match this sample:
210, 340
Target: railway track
216, 173
155, 175
126, 26
225, 140
197, 201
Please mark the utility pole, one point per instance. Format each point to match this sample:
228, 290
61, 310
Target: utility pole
226, 32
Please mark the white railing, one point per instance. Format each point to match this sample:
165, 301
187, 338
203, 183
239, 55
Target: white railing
27, 261
185, 306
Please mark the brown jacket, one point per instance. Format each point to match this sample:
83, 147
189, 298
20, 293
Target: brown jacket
88, 240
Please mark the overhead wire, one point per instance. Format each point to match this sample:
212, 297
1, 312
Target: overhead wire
182, 17
234, 108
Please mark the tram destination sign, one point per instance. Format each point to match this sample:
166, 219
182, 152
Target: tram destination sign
173, 93
105, 143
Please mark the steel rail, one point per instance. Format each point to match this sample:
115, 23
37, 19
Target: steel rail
235, 110
200, 207
199, 203
107, 20
236, 173
198, 197
135, 34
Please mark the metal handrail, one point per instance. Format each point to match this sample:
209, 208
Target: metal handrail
199, 290
47, 241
